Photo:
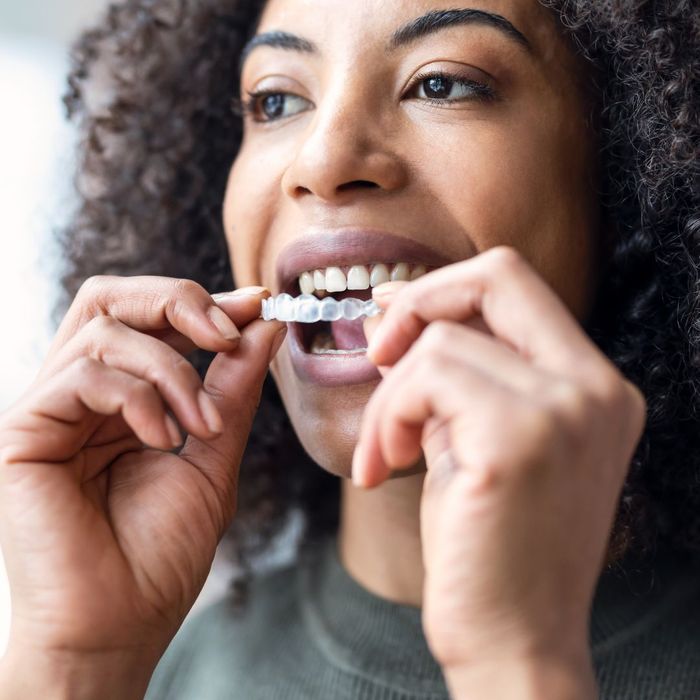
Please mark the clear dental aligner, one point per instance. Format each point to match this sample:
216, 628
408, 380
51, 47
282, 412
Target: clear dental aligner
307, 308
315, 303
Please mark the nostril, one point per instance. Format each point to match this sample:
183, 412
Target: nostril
360, 184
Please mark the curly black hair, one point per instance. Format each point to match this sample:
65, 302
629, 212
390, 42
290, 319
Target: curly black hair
151, 89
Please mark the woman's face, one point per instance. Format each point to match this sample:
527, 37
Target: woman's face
403, 132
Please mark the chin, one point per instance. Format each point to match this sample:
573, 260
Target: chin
326, 419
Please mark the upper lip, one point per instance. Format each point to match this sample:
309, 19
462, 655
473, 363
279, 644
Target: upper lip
350, 246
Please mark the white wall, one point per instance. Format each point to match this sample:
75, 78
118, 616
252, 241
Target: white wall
36, 165
36, 146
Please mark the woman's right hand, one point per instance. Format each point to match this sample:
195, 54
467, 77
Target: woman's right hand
108, 535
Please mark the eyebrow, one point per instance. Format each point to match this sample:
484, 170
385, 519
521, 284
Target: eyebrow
276, 40
429, 23
442, 19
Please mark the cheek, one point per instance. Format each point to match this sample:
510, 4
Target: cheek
249, 210
527, 186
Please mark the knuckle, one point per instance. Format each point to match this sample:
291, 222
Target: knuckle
140, 391
92, 286
181, 365
84, 370
437, 336
184, 291
86, 366
218, 394
177, 367
613, 393
89, 299
98, 325
94, 290
96, 334
532, 431
504, 257
568, 401
183, 288
488, 469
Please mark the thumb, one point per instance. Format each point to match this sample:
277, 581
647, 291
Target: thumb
234, 383
370, 325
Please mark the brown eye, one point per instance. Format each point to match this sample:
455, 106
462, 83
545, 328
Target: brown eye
441, 88
437, 87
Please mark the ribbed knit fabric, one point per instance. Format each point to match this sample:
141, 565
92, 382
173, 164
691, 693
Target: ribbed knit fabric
312, 632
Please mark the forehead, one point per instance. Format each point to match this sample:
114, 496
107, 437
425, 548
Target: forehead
337, 22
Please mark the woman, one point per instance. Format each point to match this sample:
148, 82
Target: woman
532, 166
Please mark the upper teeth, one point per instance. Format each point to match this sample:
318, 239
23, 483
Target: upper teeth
336, 279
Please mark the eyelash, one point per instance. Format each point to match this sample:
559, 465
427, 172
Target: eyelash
248, 106
481, 91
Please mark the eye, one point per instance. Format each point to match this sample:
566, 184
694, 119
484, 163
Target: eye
442, 88
267, 106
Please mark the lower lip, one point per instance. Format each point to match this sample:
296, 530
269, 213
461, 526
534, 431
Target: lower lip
329, 370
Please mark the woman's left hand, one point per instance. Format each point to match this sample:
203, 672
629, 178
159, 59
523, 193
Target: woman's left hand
527, 431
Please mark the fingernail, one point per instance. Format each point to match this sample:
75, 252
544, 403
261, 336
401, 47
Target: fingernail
242, 292
249, 291
355, 469
224, 324
387, 289
210, 413
375, 342
277, 342
173, 431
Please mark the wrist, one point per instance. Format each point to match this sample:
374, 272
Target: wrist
52, 675
549, 678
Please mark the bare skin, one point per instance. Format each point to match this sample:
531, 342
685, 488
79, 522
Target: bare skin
496, 420
465, 176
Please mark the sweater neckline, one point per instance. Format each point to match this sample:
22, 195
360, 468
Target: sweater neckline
382, 641
362, 633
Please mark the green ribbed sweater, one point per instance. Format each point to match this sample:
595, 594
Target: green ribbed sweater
312, 632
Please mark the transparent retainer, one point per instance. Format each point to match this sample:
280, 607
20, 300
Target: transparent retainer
307, 308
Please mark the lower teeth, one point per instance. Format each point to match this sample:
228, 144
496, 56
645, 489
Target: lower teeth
356, 351
323, 344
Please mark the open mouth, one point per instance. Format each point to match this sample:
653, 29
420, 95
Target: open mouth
343, 263
344, 337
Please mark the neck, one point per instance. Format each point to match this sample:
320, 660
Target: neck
379, 538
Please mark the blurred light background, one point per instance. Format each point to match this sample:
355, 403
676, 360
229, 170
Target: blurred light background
36, 172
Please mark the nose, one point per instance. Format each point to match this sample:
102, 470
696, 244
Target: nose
343, 151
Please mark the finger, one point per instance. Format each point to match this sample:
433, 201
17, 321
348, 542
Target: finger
56, 423
517, 305
153, 304
234, 382
109, 341
242, 306
493, 358
422, 387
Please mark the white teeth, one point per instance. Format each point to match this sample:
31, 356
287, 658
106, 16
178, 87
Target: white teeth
380, 274
358, 277
400, 273
418, 271
335, 280
319, 279
306, 283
